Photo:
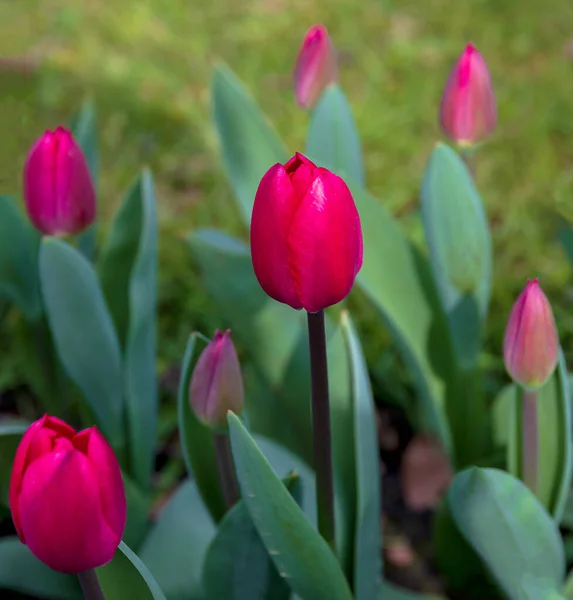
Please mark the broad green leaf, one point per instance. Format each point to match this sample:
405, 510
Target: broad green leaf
368, 537
249, 145
19, 244
197, 440
460, 247
554, 438
298, 551
10, 435
509, 529
127, 577
397, 280
237, 565
21, 571
276, 339
141, 344
332, 136
176, 545
568, 587
84, 130
83, 333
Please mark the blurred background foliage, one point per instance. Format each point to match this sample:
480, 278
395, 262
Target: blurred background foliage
148, 64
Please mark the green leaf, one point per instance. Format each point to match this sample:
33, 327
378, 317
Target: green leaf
554, 439
83, 333
19, 244
397, 280
460, 248
368, 537
298, 551
138, 507
509, 529
237, 564
197, 441
332, 136
249, 145
140, 350
10, 435
175, 548
127, 577
84, 130
22, 572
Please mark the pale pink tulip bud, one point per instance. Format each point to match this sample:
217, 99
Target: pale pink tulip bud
217, 384
315, 67
531, 343
468, 112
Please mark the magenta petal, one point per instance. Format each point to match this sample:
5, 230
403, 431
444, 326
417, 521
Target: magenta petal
273, 212
325, 243
61, 513
106, 469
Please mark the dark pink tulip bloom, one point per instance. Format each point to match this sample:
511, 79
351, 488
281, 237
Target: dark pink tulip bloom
217, 384
67, 496
315, 67
468, 112
531, 343
58, 189
306, 239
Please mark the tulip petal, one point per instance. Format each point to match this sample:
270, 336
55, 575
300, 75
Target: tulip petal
325, 243
36, 441
273, 212
227, 385
106, 469
61, 513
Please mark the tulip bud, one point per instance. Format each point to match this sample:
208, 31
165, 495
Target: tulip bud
217, 384
315, 67
58, 189
468, 111
66, 496
306, 239
531, 343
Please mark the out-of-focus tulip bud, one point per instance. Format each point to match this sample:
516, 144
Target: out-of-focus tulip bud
531, 343
306, 239
468, 112
217, 384
67, 496
58, 189
316, 66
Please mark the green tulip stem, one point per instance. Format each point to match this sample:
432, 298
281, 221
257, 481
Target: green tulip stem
226, 467
90, 585
469, 157
321, 427
530, 439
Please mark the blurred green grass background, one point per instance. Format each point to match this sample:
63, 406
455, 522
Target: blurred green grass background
148, 64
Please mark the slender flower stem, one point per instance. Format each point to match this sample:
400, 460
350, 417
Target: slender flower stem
469, 157
321, 427
530, 439
226, 469
90, 585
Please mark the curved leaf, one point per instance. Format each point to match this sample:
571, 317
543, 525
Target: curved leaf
19, 244
127, 577
83, 333
332, 136
509, 529
197, 441
368, 537
10, 436
237, 564
298, 551
140, 351
175, 548
460, 247
249, 145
